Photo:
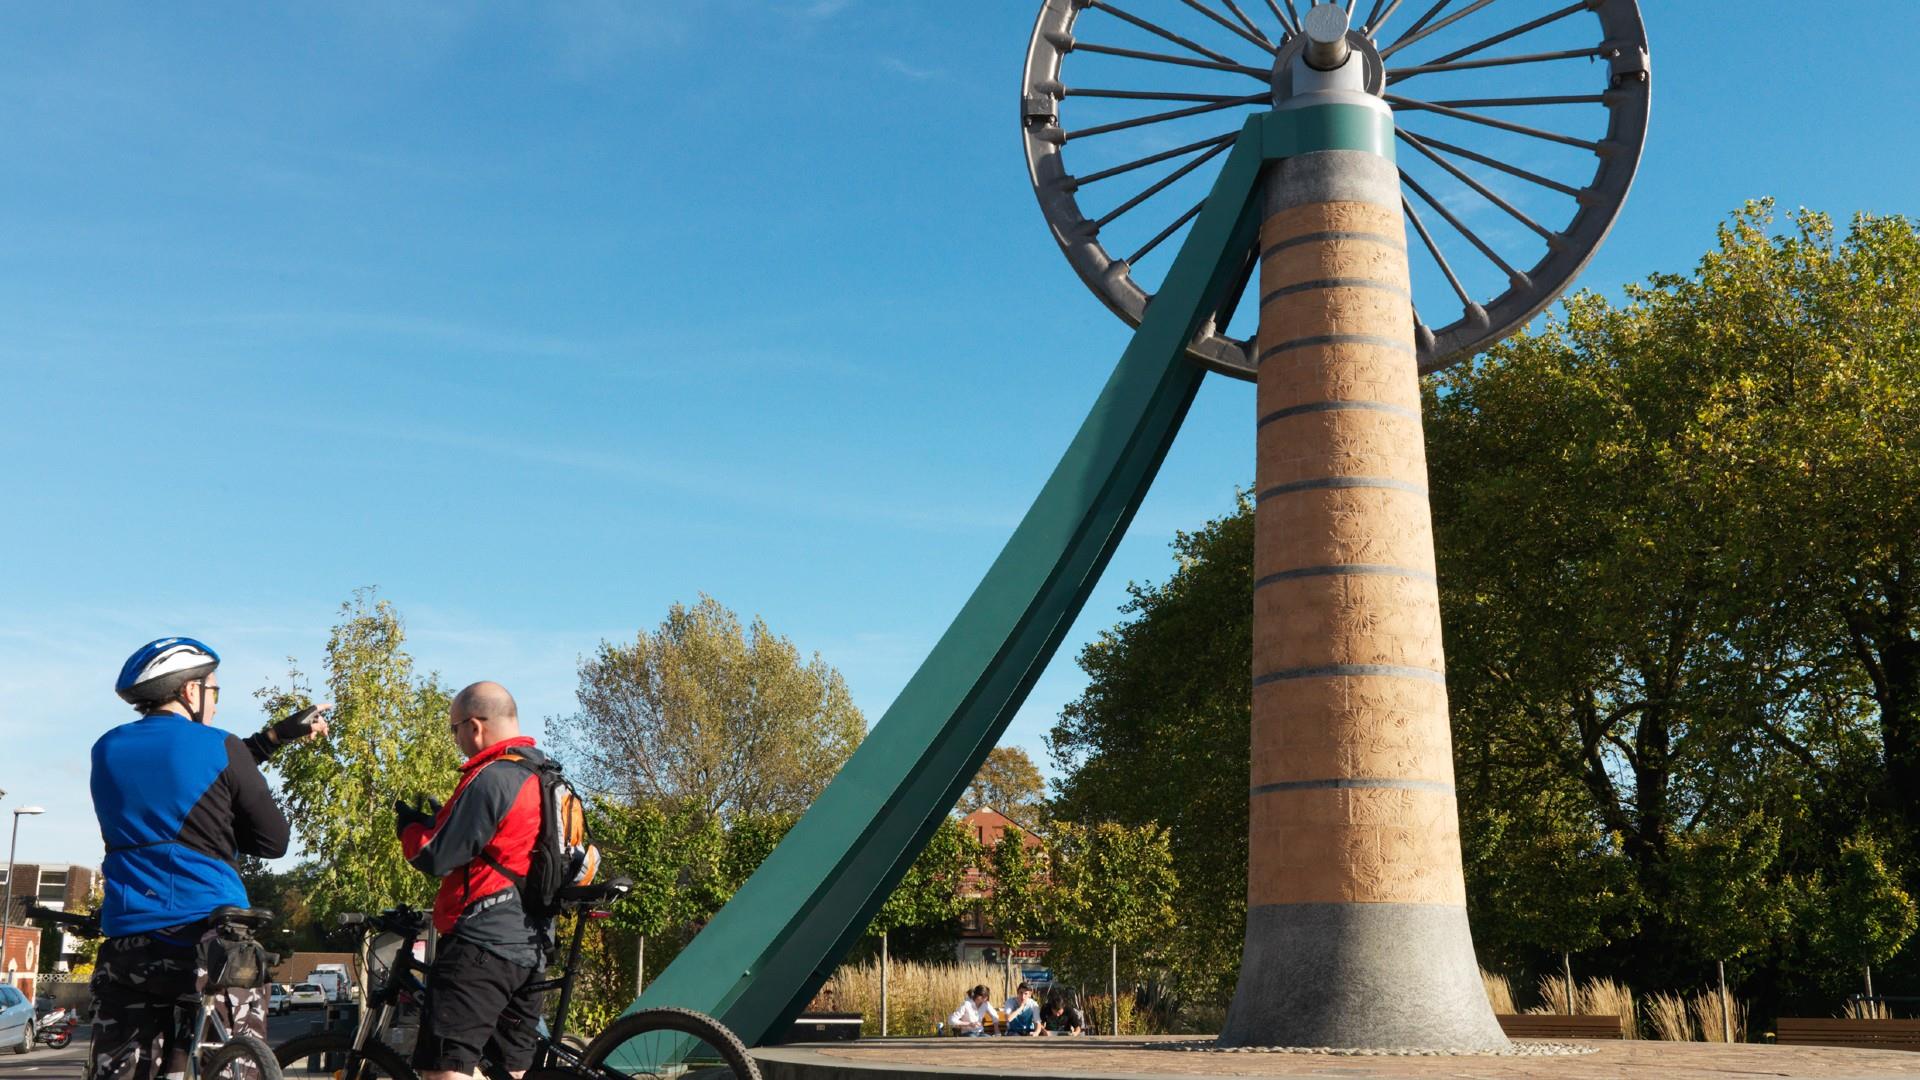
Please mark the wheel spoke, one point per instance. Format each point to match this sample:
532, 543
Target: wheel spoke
1413, 36
1509, 35
1159, 185
1434, 250
1162, 31
1164, 58
1257, 42
1246, 22
1192, 212
1460, 226
1399, 102
1122, 125
1397, 74
1422, 20
1511, 170
1161, 156
1508, 102
1295, 12
1372, 14
1552, 238
1150, 95
1287, 26
1374, 24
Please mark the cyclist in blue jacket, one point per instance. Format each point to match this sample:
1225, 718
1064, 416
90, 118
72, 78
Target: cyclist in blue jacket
179, 802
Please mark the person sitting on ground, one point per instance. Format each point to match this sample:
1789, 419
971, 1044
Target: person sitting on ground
1062, 1015
492, 953
975, 1015
1023, 1012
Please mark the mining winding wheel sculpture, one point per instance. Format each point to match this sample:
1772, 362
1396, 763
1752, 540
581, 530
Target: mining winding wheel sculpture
1412, 182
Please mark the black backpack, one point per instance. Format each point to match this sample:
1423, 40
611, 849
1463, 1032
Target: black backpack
562, 855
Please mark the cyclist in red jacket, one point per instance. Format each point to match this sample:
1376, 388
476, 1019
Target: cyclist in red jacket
490, 949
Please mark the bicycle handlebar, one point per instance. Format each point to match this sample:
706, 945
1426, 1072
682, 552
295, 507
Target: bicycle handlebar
87, 925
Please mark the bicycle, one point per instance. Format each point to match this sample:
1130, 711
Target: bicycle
235, 962
662, 1043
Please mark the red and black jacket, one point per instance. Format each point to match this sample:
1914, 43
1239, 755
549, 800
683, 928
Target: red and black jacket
491, 822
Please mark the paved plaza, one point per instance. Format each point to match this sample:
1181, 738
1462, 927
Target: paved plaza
1100, 1059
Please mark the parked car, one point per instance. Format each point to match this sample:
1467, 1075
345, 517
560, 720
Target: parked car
16, 1019
306, 995
276, 999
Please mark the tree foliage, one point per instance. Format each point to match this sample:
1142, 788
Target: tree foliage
1008, 781
706, 713
388, 740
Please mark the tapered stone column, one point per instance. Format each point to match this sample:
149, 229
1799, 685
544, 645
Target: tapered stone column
1356, 908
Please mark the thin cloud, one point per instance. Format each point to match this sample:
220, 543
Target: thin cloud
901, 67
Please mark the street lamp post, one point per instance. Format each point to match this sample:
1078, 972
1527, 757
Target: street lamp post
6, 905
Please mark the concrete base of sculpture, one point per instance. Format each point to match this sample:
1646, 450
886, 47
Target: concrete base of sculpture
1382, 976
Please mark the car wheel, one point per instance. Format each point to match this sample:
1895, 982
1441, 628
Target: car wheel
26, 1038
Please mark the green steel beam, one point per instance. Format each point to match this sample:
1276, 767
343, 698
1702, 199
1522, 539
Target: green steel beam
765, 954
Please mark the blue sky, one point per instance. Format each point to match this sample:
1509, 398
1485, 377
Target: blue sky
543, 317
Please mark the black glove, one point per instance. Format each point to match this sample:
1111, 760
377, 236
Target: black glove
411, 815
295, 727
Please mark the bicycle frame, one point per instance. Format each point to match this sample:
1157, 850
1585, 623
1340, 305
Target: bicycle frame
408, 974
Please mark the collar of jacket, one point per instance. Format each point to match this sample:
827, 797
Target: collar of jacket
495, 751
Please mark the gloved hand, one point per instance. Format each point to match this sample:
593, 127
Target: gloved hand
406, 814
299, 725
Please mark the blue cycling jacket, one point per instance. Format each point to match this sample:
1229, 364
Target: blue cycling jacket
178, 804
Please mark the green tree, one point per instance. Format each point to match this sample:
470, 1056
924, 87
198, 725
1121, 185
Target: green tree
1858, 916
1115, 887
1008, 781
706, 713
388, 740
1728, 893
1019, 905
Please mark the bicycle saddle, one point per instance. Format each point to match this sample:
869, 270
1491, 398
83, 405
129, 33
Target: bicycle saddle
251, 918
587, 894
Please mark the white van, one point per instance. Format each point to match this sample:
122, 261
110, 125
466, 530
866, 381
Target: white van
332, 980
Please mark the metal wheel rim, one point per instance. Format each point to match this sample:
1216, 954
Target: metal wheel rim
1619, 47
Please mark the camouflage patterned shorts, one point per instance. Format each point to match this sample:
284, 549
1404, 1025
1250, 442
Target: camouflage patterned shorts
146, 994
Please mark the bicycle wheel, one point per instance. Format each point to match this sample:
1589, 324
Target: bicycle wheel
243, 1057
669, 1044
323, 1056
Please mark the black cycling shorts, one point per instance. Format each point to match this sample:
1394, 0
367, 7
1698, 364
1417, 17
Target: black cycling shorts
477, 1003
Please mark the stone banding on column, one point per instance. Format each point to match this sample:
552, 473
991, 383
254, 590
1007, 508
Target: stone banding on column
1376, 340
1327, 236
1332, 569
1336, 406
1325, 670
1350, 782
1338, 372
1360, 525
1341, 442
1316, 284
1325, 483
1359, 727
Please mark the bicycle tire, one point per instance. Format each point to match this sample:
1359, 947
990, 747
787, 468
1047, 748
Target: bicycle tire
385, 1060
679, 1021
243, 1049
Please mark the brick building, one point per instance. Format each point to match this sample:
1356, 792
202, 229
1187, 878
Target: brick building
977, 941
61, 886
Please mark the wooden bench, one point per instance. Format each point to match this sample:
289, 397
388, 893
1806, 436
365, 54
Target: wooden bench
1550, 1026
1830, 1031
